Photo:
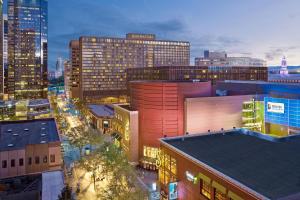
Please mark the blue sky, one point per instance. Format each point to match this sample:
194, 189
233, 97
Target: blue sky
266, 29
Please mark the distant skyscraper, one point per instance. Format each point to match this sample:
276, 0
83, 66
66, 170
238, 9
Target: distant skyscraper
27, 48
1, 52
283, 69
103, 62
5, 51
59, 67
67, 77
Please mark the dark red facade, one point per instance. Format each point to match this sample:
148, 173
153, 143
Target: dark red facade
161, 108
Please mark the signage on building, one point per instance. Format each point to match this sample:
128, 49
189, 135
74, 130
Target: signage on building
275, 107
173, 191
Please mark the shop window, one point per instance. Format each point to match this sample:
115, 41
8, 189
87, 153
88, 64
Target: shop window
205, 189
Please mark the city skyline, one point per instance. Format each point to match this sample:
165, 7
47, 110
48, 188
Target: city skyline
269, 33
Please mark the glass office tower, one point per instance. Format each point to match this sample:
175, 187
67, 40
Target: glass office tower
1, 51
27, 49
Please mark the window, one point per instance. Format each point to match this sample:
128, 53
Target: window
45, 159
4, 164
205, 189
219, 195
52, 158
37, 160
21, 162
12, 163
29, 161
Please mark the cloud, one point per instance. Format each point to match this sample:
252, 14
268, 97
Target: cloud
275, 53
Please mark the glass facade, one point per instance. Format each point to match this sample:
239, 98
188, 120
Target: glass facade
281, 111
27, 48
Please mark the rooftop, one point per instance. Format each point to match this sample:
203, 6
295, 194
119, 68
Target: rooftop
269, 166
17, 134
101, 110
38, 102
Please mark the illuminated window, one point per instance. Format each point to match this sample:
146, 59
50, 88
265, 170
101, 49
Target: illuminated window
205, 189
219, 195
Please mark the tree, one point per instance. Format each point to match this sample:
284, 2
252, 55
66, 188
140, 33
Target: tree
110, 163
66, 194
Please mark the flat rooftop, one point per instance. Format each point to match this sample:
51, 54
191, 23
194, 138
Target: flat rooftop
38, 102
269, 166
101, 110
17, 134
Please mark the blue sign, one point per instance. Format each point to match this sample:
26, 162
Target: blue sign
173, 191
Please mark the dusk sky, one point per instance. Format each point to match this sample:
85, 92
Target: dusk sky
265, 29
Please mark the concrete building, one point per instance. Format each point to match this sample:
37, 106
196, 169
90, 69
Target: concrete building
221, 59
29, 147
74, 57
59, 70
160, 107
27, 49
235, 164
103, 62
67, 78
125, 131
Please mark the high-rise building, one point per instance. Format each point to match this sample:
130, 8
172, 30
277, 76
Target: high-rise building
103, 62
67, 77
5, 53
1, 52
27, 49
75, 64
59, 67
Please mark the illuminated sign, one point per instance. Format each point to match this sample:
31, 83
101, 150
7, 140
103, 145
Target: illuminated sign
275, 107
173, 192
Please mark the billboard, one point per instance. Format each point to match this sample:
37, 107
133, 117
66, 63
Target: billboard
275, 107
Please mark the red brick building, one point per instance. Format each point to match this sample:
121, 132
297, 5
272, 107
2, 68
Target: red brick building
161, 112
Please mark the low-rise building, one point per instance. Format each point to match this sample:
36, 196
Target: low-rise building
101, 117
29, 147
237, 164
125, 127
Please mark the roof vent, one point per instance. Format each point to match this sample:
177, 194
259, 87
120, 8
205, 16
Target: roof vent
44, 123
15, 134
43, 128
9, 130
26, 129
10, 145
43, 134
43, 142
